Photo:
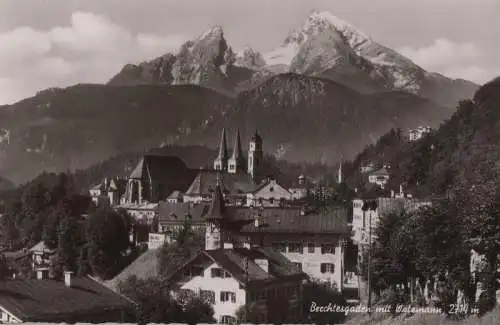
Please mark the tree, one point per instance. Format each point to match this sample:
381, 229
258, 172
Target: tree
477, 197
441, 245
156, 305
4, 268
392, 251
71, 240
107, 238
186, 243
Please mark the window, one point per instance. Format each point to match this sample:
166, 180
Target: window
310, 248
208, 296
327, 268
225, 319
327, 249
298, 265
295, 248
271, 189
219, 273
231, 166
271, 200
280, 247
226, 296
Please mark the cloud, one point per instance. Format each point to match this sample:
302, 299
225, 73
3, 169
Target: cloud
91, 49
456, 60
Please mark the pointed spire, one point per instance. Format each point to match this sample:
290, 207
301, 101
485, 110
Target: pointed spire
339, 180
237, 151
217, 207
256, 136
223, 146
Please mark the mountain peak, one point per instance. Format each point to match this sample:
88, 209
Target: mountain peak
319, 21
215, 31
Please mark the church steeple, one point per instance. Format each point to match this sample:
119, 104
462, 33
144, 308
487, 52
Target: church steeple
237, 161
255, 156
220, 162
215, 232
339, 175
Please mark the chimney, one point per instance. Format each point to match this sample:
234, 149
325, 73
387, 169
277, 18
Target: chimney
42, 274
263, 264
67, 278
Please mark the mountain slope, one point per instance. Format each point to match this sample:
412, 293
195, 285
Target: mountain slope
300, 118
432, 165
81, 125
311, 119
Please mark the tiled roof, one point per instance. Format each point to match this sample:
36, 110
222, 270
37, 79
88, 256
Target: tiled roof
177, 211
233, 184
290, 220
49, 300
277, 220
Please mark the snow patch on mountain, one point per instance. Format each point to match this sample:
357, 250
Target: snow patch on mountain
250, 59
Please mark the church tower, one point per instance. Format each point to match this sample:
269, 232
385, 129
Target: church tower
213, 231
237, 160
339, 175
220, 162
255, 156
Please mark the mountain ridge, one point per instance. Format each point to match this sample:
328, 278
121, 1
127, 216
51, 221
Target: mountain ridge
323, 46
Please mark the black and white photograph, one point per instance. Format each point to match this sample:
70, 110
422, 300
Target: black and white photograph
250, 162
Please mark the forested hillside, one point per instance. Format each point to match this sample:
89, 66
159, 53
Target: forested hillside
433, 164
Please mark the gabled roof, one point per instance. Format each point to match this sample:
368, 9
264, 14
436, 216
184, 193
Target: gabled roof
157, 166
234, 261
40, 247
205, 182
267, 182
289, 220
48, 300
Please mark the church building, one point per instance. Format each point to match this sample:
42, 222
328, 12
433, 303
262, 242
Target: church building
238, 175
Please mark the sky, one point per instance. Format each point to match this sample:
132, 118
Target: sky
58, 43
